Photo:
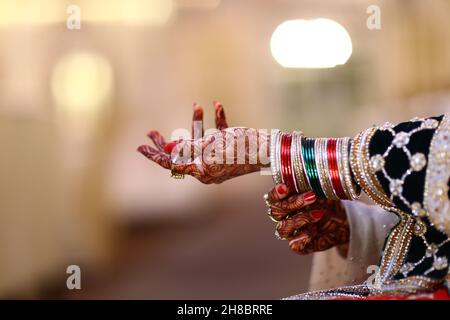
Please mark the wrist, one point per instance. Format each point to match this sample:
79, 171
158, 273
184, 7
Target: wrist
306, 164
263, 150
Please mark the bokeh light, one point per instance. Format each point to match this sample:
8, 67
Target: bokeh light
31, 12
82, 83
133, 12
137, 12
197, 4
318, 43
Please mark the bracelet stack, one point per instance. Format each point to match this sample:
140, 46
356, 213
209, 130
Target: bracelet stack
305, 164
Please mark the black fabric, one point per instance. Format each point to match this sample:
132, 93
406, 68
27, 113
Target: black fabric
417, 251
396, 164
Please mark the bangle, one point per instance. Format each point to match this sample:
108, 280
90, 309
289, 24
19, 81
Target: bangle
310, 165
274, 164
334, 173
297, 163
302, 155
352, 189
322, 168
360, 167
286, 168
293, 161
321, 165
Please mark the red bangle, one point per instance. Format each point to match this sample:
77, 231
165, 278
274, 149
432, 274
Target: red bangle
289, 165
334, 170
286, 169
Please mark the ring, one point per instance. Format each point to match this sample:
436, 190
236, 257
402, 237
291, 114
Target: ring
174, 174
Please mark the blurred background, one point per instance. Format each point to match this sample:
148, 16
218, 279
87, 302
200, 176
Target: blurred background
76, 102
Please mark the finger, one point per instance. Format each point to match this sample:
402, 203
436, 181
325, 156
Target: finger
302, 241
279, 192
157, 139
197, 122
157, 156
320, 242
295, 202
288, 227
279, 215
221, 121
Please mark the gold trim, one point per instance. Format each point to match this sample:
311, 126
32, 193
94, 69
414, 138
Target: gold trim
350, 188
359, 162
436, 201
396, 246
410, 285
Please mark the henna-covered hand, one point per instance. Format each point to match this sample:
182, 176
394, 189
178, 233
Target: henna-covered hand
307, 224
212, 158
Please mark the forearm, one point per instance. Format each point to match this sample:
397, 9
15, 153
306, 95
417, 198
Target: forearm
386, 162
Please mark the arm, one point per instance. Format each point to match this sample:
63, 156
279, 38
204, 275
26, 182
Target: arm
404, 168
333, 168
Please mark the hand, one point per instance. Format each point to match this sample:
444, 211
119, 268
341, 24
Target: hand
310, 225
213, 158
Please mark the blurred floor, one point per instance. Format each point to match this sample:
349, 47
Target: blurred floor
229, 254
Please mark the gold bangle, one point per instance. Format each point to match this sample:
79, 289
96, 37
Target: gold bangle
297, 162
320, 154
360, 166
327, 168
274, 151
350, 188
292, 159
329, 181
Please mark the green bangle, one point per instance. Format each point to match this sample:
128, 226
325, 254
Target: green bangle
311, 169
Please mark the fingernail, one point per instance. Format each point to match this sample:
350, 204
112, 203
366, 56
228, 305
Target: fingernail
317, 214
281, 189
197, 108
169, 147
310, 197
